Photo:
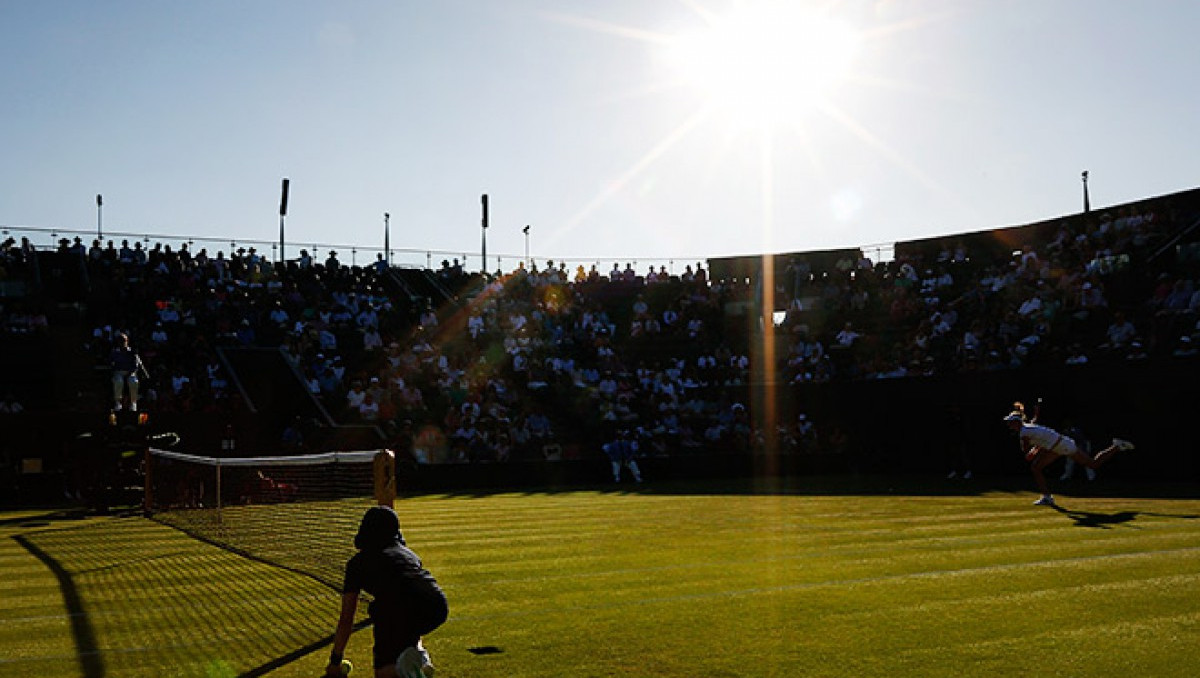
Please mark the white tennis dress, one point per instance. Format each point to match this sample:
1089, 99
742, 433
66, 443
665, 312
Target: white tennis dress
1047, 439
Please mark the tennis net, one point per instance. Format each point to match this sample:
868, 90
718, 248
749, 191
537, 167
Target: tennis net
296, 512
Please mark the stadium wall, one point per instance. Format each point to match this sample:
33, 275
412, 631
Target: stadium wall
915, 425
919, 426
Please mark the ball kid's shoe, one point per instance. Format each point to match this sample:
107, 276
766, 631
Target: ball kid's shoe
414, 662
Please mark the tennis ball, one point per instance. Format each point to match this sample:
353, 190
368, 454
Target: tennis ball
347, 667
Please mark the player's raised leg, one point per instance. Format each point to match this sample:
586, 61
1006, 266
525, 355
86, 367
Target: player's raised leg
1118, 445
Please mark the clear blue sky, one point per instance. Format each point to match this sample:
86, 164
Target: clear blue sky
588, 121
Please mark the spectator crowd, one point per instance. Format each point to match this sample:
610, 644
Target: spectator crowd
549, 363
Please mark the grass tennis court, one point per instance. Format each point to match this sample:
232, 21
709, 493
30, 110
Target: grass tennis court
684, 582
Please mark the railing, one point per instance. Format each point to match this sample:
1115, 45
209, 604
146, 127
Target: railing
1175, 239
43, 238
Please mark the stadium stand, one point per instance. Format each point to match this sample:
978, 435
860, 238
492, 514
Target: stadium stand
461, 368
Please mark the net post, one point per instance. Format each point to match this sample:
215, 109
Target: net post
148, 478
385, 478
218, 497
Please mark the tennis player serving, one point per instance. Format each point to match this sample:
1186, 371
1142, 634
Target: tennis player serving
1043, 446
408, 603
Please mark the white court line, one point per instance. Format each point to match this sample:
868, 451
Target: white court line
855, 550
806, 586
931, 574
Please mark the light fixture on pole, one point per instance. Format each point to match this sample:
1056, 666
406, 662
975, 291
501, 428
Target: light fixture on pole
1087, 203
526, 232
99, 217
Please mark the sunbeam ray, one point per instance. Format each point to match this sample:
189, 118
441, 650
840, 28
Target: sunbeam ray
628, 175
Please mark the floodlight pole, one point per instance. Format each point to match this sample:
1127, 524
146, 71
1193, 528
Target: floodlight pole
387, 239
99, 217
483, 254
1087, 203
525, 230
283, 198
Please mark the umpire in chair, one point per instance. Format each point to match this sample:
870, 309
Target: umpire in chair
126, 365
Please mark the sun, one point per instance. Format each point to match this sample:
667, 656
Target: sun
768, 77
765, 62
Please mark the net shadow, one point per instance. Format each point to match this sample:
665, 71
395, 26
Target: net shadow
141, 597
90, 661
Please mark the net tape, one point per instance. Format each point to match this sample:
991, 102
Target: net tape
350, 457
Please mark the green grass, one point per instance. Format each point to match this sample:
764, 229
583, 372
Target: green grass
689, 583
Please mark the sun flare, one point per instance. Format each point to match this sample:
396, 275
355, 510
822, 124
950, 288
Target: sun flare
760, 81
765, 62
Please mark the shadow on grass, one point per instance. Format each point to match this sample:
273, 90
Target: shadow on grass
1106, 521
284, 660
43, 519
166, 601
90, 660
